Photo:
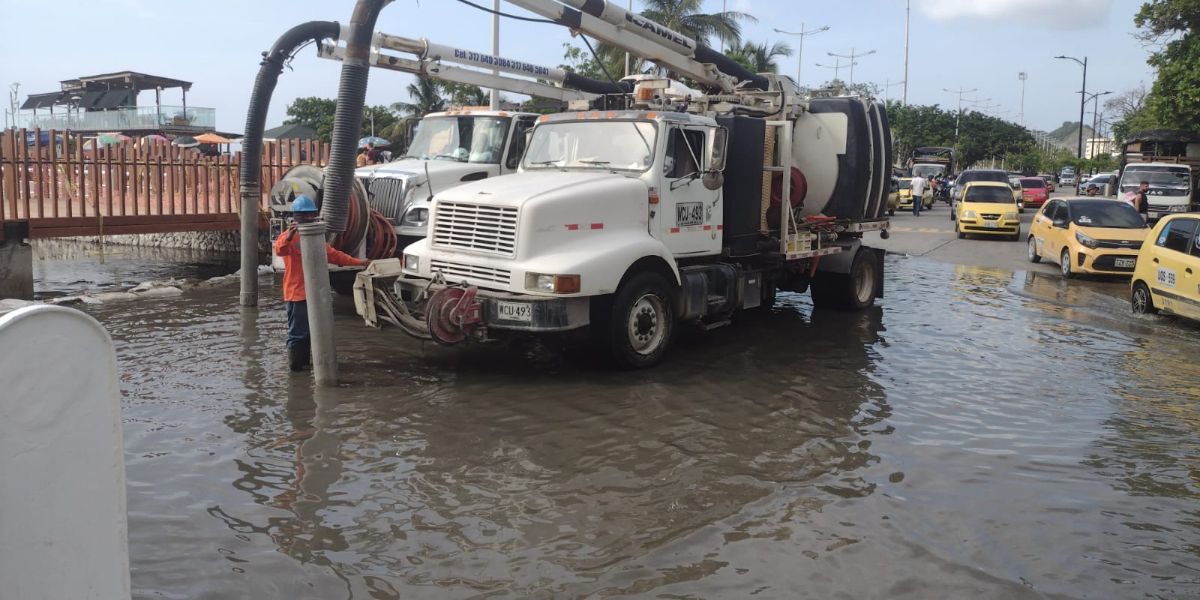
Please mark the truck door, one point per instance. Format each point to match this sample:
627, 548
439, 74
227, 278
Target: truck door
516, 143
689, 217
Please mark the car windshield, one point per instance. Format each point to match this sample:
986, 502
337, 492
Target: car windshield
990, 193
463, 139
1033, 182
969, 176
906, 184
1106, 213
1164, 177
593, 144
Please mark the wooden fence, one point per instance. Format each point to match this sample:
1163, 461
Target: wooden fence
64, 185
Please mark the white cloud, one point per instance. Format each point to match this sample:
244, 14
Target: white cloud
1046, 14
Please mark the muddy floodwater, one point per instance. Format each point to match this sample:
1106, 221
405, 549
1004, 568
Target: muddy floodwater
983, 434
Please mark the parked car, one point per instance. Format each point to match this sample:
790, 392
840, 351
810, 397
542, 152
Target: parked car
893, 198
988, 208
1087, 235
1167, 276
1105, 184
905, 201
1034, 192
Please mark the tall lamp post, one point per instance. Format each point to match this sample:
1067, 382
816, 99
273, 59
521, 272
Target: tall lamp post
852, 57
836, 66
800, 52
960, 92
1022, 76
1082, 98
907, 14
1095, 120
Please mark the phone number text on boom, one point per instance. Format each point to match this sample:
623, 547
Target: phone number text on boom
504, 63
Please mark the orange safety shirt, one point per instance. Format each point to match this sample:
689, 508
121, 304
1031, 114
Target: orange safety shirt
293, 270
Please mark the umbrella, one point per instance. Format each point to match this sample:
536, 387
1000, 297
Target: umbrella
154, 138
377, 141
212, 138
186, 141
108, 139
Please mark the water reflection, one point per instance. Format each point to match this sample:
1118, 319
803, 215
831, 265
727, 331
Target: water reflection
516, 480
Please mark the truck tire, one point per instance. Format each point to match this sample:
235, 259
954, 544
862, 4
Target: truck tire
853, 291
639, 327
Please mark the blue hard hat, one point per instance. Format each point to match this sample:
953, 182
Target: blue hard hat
303, 204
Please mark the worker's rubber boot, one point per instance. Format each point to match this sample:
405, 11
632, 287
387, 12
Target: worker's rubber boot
298, 358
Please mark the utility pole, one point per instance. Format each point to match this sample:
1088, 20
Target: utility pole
13, 96
1095, 121
1082, 99
800, 53
627, 60
852, 56
495, 104
907, 15
1022, 76
960, 92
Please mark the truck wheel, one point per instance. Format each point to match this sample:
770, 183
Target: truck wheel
641, 323
853, 291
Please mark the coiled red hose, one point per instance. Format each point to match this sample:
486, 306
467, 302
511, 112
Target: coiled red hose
382, 241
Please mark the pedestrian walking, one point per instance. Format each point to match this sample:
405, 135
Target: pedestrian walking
287, 247
918, 195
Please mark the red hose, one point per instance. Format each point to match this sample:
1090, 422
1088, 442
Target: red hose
382, 241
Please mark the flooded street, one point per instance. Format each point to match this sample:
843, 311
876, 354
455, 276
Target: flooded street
983, 433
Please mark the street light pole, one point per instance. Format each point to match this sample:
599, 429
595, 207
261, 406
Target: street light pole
907, 14
1095, 120
836, 66
852, 56
960, 92
495, 99
1082, 99
1022, 76
800, 53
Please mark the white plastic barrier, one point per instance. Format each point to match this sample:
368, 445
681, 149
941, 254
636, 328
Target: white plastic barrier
62, 472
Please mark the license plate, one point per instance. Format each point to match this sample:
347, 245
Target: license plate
1125, 263
688, 214
514, 311
991, 224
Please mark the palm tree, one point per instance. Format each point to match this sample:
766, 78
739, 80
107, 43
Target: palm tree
685, 17
427, 98
759, 58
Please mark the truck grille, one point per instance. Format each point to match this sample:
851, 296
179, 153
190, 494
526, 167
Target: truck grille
487, 229
387, 196
1158, 207
455, 272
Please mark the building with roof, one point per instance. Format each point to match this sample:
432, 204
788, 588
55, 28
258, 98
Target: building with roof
109, 103
289, 131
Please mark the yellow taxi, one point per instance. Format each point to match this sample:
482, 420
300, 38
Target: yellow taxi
1167, 276
905, 199
893, 197
1087, 235
987, 208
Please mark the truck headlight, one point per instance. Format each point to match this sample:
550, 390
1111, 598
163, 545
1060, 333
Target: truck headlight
416, 217
1178, 208
412, 263
554, 284
1086, 240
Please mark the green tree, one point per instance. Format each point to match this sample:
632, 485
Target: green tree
759, 58
685, 16
314, 113
1174, 99
465, 94
426, 98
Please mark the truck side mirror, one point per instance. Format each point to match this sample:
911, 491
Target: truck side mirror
716, 157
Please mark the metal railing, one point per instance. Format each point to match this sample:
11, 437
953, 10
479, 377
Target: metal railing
122, 119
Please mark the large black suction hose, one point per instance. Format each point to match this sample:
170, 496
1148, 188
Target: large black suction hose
256, 118
730, 67
347, 122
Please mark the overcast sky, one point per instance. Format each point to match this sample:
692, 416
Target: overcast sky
955, 44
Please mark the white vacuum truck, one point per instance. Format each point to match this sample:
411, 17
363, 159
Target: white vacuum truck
687, 206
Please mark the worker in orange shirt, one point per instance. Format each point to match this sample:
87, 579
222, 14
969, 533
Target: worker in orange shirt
287, 247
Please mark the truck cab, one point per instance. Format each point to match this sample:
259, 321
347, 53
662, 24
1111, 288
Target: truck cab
448, 149
1172, 187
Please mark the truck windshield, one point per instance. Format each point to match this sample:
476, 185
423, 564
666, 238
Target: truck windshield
927, 171
597, 144
1159, 177
464, 139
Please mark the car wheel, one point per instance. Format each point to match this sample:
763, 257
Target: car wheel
961, 235
639, 328
1064, 263
1034, 257
1141, 301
